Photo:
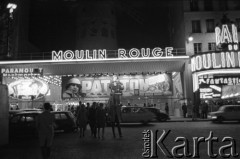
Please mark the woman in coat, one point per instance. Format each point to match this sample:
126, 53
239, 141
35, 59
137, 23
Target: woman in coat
82, 119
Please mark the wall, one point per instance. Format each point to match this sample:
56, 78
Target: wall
4, 138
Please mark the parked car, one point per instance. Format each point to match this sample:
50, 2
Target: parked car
159, 115
12, 112
65, 121
23, 124
226, 113
135, 114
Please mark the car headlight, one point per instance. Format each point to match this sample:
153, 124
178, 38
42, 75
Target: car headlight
214, 117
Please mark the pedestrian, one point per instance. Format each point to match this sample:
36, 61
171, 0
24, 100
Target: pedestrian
194, 112
167, 108
184, 109
100, 120
92, 119
82, 119
204, 110
45, 126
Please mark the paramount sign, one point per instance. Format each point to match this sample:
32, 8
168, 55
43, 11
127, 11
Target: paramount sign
101, 54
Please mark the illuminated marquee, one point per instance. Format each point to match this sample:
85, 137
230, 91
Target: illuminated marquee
102, 54
215, 61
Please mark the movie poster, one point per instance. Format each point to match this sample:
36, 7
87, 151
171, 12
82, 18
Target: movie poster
98, 86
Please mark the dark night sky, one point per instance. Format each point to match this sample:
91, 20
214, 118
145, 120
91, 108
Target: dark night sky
49, 23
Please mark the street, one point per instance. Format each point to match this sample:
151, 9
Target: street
70, 146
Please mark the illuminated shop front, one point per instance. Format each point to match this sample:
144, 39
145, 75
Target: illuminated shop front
147, 76
216, 75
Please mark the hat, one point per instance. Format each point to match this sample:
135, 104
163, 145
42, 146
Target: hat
74, 81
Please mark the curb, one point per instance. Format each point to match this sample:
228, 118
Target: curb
197, 120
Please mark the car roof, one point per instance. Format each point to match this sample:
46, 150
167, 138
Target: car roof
60, 111
230, 106
29, 112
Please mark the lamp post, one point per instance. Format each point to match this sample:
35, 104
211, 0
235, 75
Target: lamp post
11, 7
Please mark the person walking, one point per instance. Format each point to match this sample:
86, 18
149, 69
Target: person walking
184, 109
194, 112
82, 120
167, 108
92, 119
100, 120
45, 123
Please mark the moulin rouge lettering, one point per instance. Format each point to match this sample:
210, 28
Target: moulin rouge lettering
101, 54
152, 143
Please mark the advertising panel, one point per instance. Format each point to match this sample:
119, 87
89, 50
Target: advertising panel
216, 86
98, 86
26, 89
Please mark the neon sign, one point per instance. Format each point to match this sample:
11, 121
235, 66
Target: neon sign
21, 72
215, 61
224, 36
101, 54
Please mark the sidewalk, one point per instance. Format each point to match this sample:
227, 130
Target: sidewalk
182, 119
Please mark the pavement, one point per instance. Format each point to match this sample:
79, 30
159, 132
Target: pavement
70, 146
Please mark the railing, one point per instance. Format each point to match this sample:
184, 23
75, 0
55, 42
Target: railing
110, 54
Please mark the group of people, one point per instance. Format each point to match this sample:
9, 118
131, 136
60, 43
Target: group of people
95, 116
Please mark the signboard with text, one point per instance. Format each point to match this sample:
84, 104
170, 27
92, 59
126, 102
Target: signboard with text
92, 87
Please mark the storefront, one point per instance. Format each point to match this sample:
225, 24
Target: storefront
149, 76
216, 75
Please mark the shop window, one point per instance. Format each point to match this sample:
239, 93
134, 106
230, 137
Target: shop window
208, 5
211, 46
196, 26
197, 47
194, 5
210, 25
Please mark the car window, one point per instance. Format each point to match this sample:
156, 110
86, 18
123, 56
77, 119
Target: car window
126, 110
63, 116
29, 118
22, 119
71, 114
57, 116
15, 119
229, 109
140, 110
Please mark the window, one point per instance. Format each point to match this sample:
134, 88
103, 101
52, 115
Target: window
208, 5
194, 5
211, 46
223, 5
196, 26
197, 47
238, 24
210, 25
104, 32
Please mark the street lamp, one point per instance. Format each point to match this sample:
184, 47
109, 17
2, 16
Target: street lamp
11, 7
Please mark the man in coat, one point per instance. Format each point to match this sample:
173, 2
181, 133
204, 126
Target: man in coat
45, 125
